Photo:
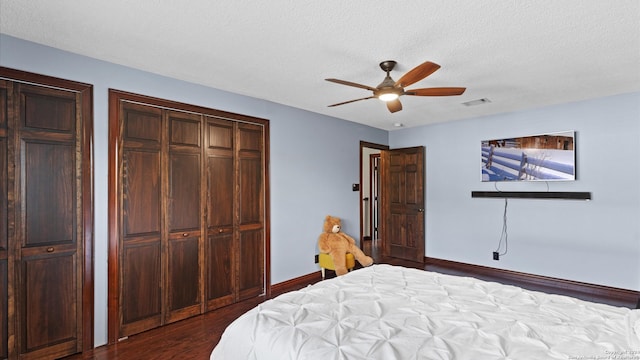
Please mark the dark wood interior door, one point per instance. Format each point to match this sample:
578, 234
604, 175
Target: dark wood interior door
402, 192
48, 214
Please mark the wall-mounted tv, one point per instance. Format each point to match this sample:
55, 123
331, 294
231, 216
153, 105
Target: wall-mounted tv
544, 157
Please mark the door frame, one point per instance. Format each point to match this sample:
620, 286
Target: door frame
363, 145
374, 195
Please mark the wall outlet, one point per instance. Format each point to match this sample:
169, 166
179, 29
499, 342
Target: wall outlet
496, 255
316, 258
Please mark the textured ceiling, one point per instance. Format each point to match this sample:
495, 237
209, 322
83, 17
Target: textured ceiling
517, 54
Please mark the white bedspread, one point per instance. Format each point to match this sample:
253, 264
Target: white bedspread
389, 312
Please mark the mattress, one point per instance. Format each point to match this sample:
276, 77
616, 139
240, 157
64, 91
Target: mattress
391, 312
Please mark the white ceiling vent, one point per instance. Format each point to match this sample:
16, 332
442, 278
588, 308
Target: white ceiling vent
477, 102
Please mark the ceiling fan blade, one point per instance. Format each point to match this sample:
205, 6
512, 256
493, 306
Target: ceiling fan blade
417, 73
349, 83
394, 105
436, 91
350, 101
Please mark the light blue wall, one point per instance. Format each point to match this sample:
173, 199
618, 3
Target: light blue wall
314, 158
596, 241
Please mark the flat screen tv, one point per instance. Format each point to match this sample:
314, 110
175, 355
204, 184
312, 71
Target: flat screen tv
544, 157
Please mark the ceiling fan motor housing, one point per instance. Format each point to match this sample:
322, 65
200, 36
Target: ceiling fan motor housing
387, 86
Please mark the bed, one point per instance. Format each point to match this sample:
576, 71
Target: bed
391, 312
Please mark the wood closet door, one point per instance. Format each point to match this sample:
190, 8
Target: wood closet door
235, 212
142, 220
220, 281
183, 295
250, 210
161, 217
48, 213
190, 235
4, 231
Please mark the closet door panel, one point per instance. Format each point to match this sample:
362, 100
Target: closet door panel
250, 175
220, 194
141, 218
251, 236
251, 273
141, 125
48, 314
183, 264
220, 169
220, 259
183, 295
251, 211
250, 179
141, 186
184, 275
47, 109
220, 289
184, 192
4, 109
184, 129
219, 134
141, 292
49, 184
49, 287
220, 279
48, 269
4, 231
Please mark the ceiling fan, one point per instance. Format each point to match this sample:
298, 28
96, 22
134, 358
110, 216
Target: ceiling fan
389, 90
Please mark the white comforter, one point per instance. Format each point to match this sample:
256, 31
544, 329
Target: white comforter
389, 312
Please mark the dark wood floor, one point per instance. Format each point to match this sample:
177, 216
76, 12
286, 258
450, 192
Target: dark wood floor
196, 337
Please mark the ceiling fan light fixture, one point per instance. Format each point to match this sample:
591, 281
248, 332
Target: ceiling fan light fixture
390, 96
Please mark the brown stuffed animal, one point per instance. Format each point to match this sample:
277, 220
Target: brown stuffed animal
337, 244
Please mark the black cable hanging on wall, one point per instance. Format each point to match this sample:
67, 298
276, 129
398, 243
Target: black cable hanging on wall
504, 235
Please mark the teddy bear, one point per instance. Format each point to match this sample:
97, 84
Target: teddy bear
337, 244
